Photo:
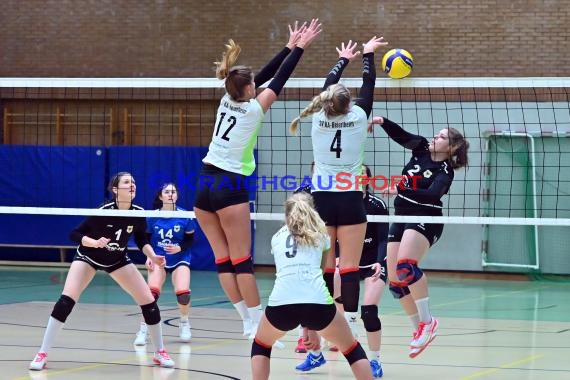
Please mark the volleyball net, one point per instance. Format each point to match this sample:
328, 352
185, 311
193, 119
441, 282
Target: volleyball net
509, 210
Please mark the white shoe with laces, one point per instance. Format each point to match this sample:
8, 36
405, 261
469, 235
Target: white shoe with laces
425, 334
39, 362
142, 335
162, 358
185, 333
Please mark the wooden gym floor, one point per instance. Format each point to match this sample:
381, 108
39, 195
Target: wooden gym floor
489, 329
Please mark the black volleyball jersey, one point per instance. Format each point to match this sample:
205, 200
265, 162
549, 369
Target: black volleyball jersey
426, 181
118, 229
374, 248
376, 233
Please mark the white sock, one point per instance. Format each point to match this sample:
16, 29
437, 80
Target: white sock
255, 313
52, 329
415, 319
351, 316
315, 352
241, 308
184, 318
374, 355
423, 310
144, 327
156, 336
300, 331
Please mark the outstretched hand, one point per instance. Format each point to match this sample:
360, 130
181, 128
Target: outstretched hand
312, 31
374, 43
375, 120
348, 51
295, 34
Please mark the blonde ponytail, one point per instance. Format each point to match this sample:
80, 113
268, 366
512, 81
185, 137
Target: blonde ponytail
229, 59
335, 100
303, 221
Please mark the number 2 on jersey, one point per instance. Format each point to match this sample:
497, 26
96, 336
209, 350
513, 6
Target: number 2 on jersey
335, 144
232, 123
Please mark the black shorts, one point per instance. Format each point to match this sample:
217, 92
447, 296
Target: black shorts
340, 208
431, 231
218, 189
111, 268
311, 315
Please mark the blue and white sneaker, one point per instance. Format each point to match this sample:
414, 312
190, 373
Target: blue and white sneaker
311, 362
376, 369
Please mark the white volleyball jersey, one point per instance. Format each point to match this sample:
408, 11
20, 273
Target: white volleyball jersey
338, 146
235, 135
299, 277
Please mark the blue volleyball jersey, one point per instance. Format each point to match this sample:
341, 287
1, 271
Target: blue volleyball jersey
170, 231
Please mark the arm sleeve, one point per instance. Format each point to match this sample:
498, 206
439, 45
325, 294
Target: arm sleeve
432, 194
405, 139
140, 234
285, 70
366, 95
336, 72
81, 230
187, 242
270, 69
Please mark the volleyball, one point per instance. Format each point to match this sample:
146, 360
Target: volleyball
397, 63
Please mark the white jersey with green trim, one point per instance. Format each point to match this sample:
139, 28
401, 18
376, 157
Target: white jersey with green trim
338, 147
299, 277
235, 135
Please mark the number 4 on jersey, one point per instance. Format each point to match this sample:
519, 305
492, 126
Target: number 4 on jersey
335, 144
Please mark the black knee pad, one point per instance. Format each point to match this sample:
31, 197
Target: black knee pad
355, 354
258, 348
369, 315
244, 266
350, 290
399, 291
338, 300
183, 298
62, 308
155, 293
151, 313
225, 266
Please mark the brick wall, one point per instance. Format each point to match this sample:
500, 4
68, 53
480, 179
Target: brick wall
160, 38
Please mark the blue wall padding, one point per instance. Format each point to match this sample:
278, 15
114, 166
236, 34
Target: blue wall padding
76, 177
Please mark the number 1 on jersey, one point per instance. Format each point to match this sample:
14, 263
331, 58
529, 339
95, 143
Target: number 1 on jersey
335, 144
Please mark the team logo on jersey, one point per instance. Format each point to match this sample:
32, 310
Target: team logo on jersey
129, 229
176, 228
428, 173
